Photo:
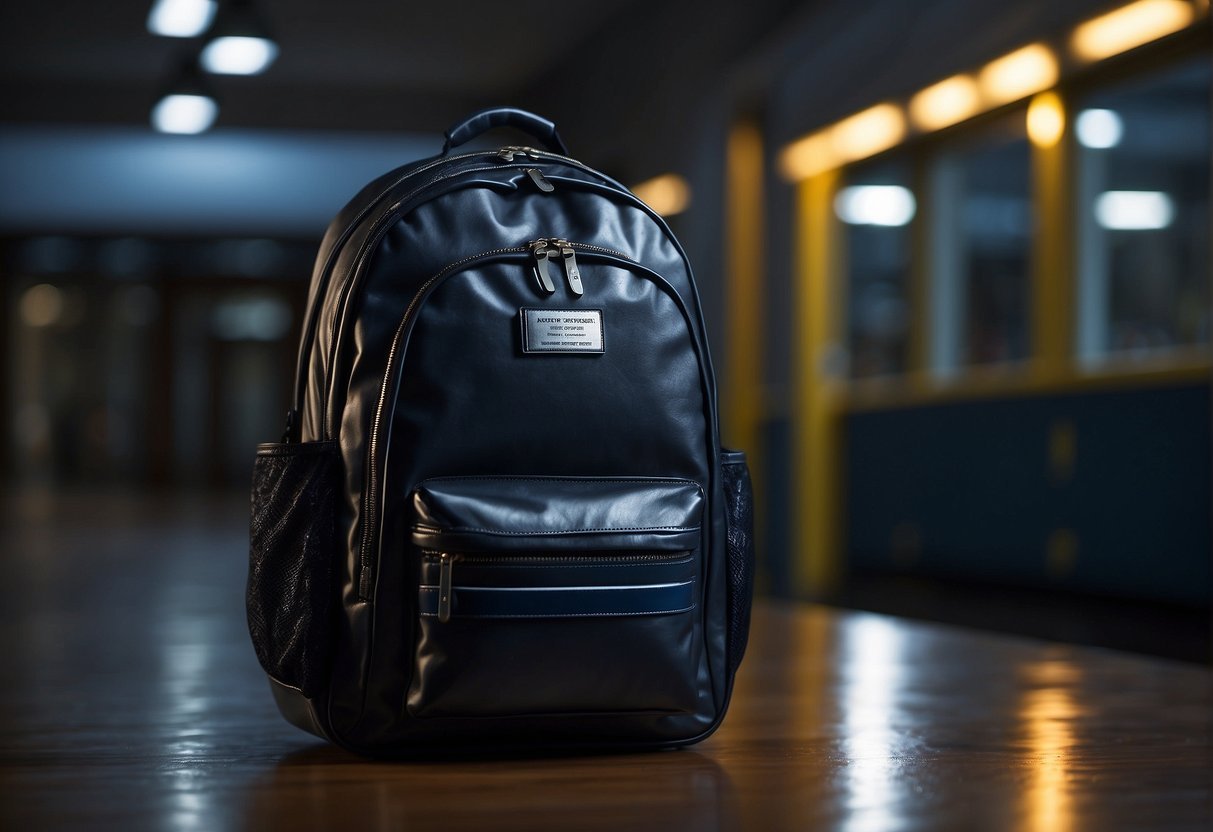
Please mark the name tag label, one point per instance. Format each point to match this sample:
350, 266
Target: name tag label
561, 330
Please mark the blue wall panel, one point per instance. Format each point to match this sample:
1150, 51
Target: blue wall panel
971, 490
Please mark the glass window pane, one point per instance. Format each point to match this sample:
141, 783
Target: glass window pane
876, 207
980, 249
1143, 156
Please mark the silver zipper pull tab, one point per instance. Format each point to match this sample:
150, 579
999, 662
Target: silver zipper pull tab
507, 153
570, 267
543, 276
446, 565
540, 180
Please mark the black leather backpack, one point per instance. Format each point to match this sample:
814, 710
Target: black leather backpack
501, 514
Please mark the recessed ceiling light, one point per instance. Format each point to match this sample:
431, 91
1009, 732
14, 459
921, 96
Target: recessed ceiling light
178, 113
181, 18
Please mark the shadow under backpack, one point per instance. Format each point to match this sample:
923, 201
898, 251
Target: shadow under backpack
501, 515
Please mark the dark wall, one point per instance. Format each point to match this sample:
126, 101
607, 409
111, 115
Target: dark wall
1098, 492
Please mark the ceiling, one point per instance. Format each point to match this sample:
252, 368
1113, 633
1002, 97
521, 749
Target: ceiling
353, 65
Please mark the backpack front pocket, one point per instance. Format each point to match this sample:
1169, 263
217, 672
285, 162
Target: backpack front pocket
543, 596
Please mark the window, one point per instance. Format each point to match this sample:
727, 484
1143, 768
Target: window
981, 233
876, 207
1143, 172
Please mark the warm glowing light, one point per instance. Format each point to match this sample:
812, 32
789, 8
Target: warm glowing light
1134, 210
1019, 74
1130, 26
1099, 129
238, 55
41, 305
184, 113
1046, 119
940, 105
1048, 713
869, 132
855, 137
668, 194
809, 156
181, 18
884, 205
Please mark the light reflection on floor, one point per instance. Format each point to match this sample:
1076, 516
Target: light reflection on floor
871, 677
1048, 712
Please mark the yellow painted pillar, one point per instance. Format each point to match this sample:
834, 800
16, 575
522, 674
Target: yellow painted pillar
1052, 322
819, 315
744, 291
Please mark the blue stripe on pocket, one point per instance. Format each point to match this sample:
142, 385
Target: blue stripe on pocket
562, 602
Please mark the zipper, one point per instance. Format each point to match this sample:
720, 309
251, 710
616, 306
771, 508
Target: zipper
506, 154
369, 506
371, 497
447, 560
545, 250
541, 181
445, 572
510, 151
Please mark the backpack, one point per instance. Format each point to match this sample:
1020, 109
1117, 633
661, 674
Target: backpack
500, 514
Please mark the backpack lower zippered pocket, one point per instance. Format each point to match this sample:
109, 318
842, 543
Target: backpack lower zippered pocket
545, 596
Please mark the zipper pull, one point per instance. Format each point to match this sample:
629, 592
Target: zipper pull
540, 180
570, 266
508, 152
543, 276
446, 565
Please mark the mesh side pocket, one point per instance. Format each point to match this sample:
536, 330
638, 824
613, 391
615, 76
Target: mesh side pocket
292, 578
739, 515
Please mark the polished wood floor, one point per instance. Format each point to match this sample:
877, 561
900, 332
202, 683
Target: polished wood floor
130, 699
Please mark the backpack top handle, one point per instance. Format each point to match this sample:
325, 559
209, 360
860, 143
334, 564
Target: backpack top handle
485, 120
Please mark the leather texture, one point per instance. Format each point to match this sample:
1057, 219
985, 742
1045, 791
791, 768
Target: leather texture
452, 438
532, 514
493, 117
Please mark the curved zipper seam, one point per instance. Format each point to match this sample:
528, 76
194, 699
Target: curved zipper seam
377, 234
369, 505
330, 260
468, 557
379, 228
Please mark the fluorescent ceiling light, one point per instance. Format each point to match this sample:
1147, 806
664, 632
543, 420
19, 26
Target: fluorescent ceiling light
181, 18
176, 113
808, 156
1122, 29
1099, 129
668, 194
1018, 74
940, 105
884, 205
238, 55
868, 132
1134, 210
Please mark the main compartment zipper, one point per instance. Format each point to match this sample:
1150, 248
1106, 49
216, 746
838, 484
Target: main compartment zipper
379, 225
546, 250
447, 561
370, 499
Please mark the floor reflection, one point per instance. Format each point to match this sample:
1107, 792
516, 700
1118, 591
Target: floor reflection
328, 789
133, 701
1047, 712
872, 670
